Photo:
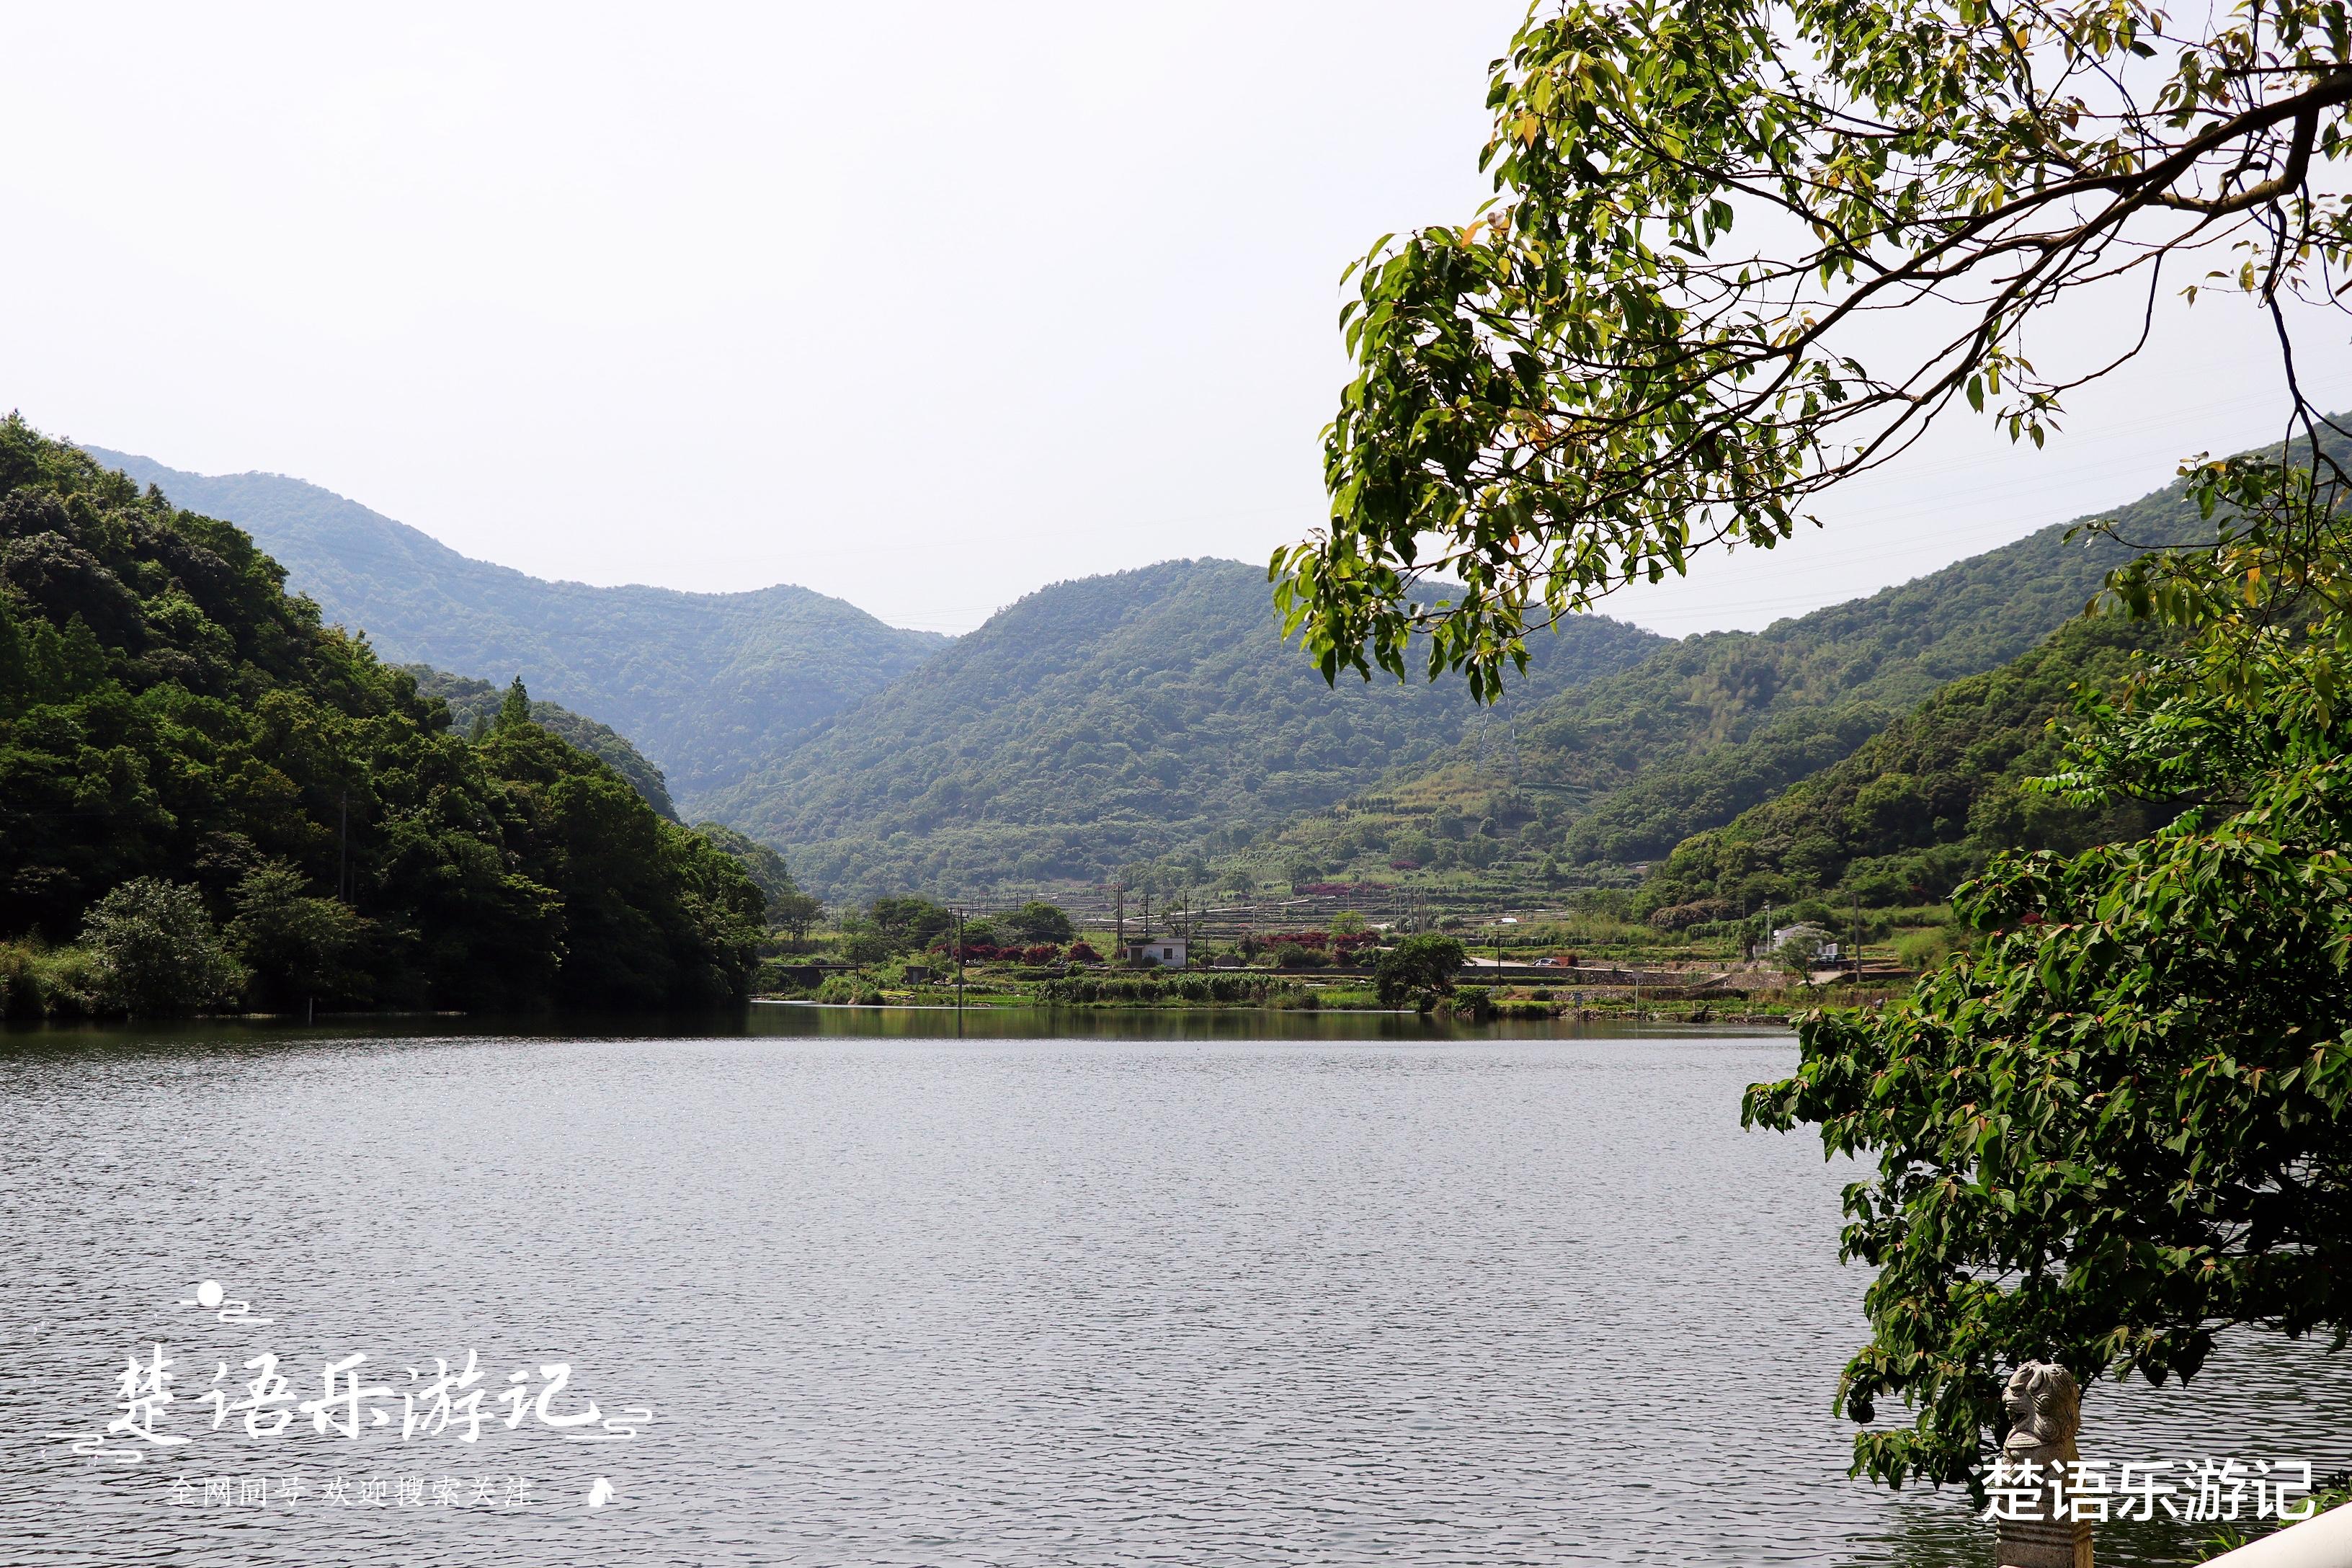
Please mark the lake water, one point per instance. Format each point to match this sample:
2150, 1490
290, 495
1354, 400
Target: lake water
1088, 1290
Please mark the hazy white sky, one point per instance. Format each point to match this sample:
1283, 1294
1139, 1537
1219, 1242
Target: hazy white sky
924, 305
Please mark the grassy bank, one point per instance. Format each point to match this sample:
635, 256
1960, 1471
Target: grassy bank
40, 983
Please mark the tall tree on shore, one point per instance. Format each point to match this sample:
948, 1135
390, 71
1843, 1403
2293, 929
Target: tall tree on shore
2124, 1123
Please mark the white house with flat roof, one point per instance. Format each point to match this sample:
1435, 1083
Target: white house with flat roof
1162, 951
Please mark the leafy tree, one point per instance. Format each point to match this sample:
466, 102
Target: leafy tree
158, 952
514, 711
906, 924
1038, 921
298, 947
793, 913
867, 947
1598, 373
2124, 1122
2120, 1123
1801, 952
1416, 968
766, 869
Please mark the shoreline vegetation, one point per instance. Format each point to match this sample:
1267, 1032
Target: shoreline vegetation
211, 801
903, 952
1501, 1006
1468, 1004
893, 954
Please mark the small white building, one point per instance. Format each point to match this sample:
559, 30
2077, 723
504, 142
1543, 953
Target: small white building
1809, 940
1161, 951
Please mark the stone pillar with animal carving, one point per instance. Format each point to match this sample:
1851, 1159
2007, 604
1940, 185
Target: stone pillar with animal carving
2039, 1529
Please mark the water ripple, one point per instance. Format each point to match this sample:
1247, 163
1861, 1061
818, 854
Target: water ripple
1002, 1302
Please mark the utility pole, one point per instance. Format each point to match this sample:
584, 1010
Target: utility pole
959, 947
1118, 896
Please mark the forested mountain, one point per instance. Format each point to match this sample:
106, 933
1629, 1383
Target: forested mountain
707, 684
1921, 806
1103, 721
1623, 768
474, 707
186, 755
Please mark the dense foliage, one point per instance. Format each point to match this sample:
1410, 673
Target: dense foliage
902, 924
1924, 804
1037, 921
1417, 969
706, 683
157, 951
171, 718
2124, 1123
1175, 989
790, 910
1602, 373
474, 708
1096, 723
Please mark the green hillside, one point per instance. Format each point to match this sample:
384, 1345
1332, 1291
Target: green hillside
1100, 722
1919, 807
474, 704
707, 684
246, 808
1623, 768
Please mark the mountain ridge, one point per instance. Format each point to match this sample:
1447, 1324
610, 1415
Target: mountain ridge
1099, 721
180, 736
1623, 768
705, 684
1922, 804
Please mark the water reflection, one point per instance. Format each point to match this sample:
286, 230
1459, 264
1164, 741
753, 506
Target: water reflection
818, 1021
1092, 1288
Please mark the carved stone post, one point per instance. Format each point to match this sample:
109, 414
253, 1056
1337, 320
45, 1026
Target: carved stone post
2045, 1411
